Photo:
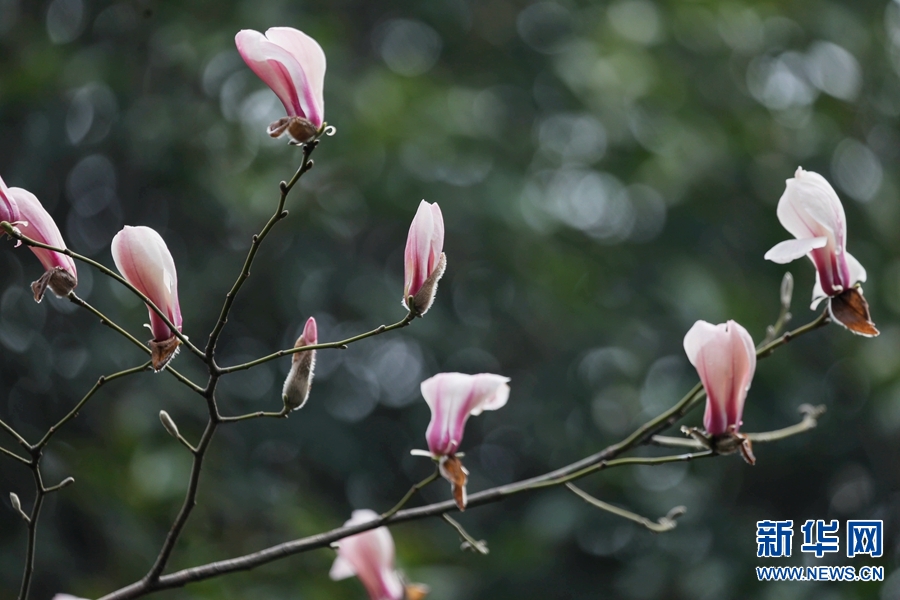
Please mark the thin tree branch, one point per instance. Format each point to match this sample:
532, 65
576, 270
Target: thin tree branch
190, 501
323, 540
415, 488
663, 524
341, 345
282, 414
15, 435
15, 456
13, 232
74, 412
28, 571
104, 320
305, 165
478, 546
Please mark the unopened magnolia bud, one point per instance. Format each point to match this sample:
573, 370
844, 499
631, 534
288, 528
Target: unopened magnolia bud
424, 262
299, 380
14, 500
168, 423
787, 290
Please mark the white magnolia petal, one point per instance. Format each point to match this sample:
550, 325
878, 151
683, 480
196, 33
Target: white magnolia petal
818, 294
697, 337
857, 271
341, 569
790, 250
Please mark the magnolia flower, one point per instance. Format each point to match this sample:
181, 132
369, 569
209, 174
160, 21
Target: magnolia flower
424, 261
725, 359
299, 379
370, 557
293, 65
67, 597
812, 212
453, 397
21, 208
144, 260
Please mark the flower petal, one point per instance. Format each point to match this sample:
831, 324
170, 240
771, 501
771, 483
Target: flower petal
311, 58
857, 271
790, 250
275, 66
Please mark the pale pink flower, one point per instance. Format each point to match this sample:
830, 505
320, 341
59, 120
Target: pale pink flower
9, 209
67, 597
21, 208
453, 398
812, 212
370, 557
293, 65
725, 358
143, 259
424, 261
299, 379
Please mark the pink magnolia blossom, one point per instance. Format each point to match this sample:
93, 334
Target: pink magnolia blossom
812, 212
144, 261
725, 358
299, 379
67, 597
9, 209
452, 398
370, 557
424, 260
21, 208
293, 65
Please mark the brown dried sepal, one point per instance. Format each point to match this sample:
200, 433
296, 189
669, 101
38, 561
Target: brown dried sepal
60, 282
731, 442
424, 298
162, 352
300, 130
416, 591
453, 471
850, 310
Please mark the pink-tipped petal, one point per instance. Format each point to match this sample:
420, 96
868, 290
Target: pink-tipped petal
311, 58
452, 398
39, 225
424, 261
274, 65
790, 250
9, 209
725, 358
370, 556
310, 332
143, 258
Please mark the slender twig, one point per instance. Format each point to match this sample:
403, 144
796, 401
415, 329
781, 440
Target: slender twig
305, 165
469, 542
40, 492
811, 416
15, 434
663, 524
341, 344
74, 412
415, 488
190, 500
62, 484
104, 320
13, 232
323, 540
14, 456
676, 442
282, 414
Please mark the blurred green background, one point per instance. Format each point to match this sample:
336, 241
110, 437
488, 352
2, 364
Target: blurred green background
608, 174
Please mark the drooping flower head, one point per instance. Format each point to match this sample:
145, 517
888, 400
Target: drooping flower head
293, 65
453, 398
725, 359
370, 557
143, 259
812, 212
424, 261
299, 379
21, 208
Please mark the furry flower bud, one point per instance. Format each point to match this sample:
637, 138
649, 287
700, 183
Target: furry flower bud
303, 364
